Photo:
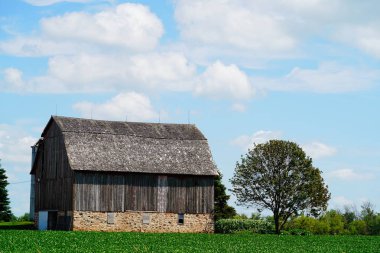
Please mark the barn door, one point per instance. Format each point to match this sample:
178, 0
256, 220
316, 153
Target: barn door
52, 220
42, 220
162, 193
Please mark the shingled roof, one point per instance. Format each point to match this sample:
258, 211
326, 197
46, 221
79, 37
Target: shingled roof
99, 145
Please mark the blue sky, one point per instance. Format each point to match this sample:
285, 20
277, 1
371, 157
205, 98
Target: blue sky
243, 71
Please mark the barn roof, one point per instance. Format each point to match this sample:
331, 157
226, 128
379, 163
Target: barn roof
99, 145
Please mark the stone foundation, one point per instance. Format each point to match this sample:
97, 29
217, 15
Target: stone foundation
131, 221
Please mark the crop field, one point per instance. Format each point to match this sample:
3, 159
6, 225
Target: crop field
59, 241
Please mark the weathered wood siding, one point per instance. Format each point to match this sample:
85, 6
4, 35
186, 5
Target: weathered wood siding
53, 186
95, 191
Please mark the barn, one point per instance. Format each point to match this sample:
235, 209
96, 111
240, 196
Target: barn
122, 176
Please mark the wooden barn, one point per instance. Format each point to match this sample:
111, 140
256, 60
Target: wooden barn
122, 176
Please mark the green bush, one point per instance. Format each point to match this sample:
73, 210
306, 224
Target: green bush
228, 226
309, 224
358, 227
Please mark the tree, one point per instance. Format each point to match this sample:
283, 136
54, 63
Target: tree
280, 177
371, 219
221, 208
5, 211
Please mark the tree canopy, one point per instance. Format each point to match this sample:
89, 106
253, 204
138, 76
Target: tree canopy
221, 208
278, 176
5, 211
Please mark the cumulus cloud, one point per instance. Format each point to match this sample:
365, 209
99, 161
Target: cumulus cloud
230, 23
13, 79
15, 145
50, 2
224, 81
15, 155
107, 72
327, 78
365, 37
131, 106
129, 25
246, 142
350, 175
318, 150
277, 28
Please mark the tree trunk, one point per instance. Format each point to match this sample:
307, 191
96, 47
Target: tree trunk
276, 223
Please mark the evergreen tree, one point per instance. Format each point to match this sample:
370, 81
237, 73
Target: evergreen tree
221, 208
5, 211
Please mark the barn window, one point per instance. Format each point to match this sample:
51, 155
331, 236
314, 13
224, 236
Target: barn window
146, 218
110, 218
181, 218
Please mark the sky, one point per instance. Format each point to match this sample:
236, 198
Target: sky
243, 71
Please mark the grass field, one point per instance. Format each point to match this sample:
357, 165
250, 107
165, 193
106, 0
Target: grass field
59, 241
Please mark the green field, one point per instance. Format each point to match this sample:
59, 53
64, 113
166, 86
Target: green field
58, 241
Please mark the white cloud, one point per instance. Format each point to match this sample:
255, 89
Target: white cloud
15, 155
246, 142
42, 46
271, 29
128, 25
13, 79
224, 81
327, 78
350, 175
131, 105
365, 37
232, 24
50, 2
237, 32
166, 70
15, 145
318, 150
107, 72
238, 107
341, 201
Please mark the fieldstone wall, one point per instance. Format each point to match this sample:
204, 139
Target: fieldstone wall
132, 221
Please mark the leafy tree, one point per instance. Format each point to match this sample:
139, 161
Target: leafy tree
335, 221
309, 224
280, 177
5, 211
358, 227
221, 208
371, 219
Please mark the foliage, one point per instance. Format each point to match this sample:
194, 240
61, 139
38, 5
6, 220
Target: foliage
59, 241
19, 225
371, 219
309, 224
228, 226
221, 208
24, 217
280, 177
5, 211
240, 217
337, 223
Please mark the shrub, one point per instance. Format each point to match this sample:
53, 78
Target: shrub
228, 226
358, 227
308, 224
